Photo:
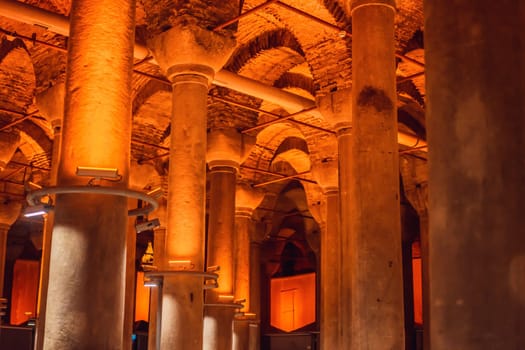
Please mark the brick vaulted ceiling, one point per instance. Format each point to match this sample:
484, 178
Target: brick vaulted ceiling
296, 45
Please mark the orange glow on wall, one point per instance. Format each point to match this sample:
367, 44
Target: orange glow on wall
141, 299
24, 291
292, 301
418, 284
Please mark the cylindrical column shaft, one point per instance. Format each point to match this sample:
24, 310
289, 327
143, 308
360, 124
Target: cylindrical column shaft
375, 229
221, 225
331, 275
242, 258
476, 132
155, 293
86, 289
242, 276
344, 145
4, 229
182, 301
130, 279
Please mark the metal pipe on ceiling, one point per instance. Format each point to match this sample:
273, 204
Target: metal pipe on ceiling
293, 103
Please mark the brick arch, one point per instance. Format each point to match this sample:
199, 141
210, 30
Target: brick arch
268, 40
151, 112
338, 13
17, 67
296, 80
144, 90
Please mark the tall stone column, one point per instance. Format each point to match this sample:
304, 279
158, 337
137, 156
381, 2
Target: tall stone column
85, 302
225, 151
375, 229
246, 200
336, 108
476, 128
9, 212
415, 184
51, 105
326, 175
190, 56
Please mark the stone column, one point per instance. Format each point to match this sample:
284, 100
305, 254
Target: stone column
326, 175
224, 157
155, 304
190, 64
246, 200
336, 108
415, 184
85, 302
9, 212
476, 129
375, 229
51, 105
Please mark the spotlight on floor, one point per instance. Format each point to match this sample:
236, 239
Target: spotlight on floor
147, 225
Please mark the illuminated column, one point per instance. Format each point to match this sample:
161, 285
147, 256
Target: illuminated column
190, 65
246, 200
336, 109
85, 303
326, 175
155, 305
9, 212
51, 105
139, 178
415, 185
257, 235
476, 129
375, 228
226, 148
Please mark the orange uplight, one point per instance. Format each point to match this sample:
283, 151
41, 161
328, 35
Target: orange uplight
292, 302
418, 285
141, 299
24, 292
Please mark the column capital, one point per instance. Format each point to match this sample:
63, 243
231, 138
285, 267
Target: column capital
336, 108
227, 148
355, 4
326, 173
189, 49
247, 199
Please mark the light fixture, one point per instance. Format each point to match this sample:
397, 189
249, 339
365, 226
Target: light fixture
147, 225
99, 173
152, 282
213, 268
155, 193
181, 264
37, 210
33, 186
226, 298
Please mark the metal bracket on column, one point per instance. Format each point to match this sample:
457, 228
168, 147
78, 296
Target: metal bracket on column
207, 276
34, 197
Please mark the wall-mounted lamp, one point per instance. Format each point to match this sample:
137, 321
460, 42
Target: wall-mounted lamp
99, 173
37, 210
147, 225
